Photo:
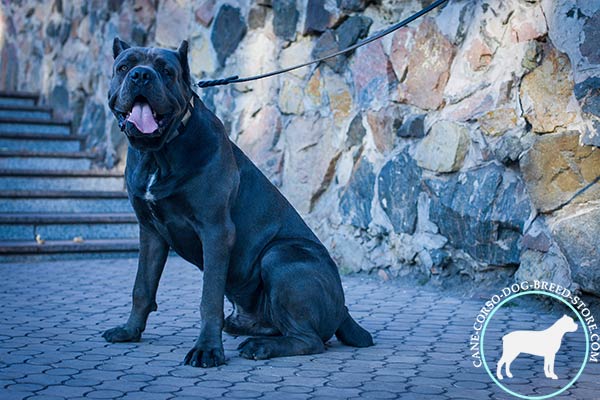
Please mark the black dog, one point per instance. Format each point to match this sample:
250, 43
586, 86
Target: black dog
194, 191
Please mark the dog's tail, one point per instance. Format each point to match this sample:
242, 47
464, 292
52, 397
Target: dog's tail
352, 334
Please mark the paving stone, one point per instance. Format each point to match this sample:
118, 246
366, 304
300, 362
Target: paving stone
25, 387
104, 394
64, 391
295, 389
243, 394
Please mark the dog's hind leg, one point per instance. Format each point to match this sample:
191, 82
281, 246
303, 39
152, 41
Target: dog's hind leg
305, 301
242, 323
509, 359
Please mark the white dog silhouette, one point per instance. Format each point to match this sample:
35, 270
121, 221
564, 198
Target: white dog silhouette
539, 343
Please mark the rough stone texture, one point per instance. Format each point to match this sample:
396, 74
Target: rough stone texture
538, 248
317, 17
479, 55
546, 93
497, 122
259, 138
344, 36
577, 232
372, 74
10, 67
589, 47
555, 269
399, 185
310, 159
257, 17
291, 99
482, 211
384, 124
168, 33
444, 148
355, 202
557, 167
427, 72
412, 126
206, 12
352, 29
494, 75
353, 5
339, 96
588, 95
227, 32
285, 18
356, 132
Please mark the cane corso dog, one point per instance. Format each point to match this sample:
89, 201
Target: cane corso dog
195, 192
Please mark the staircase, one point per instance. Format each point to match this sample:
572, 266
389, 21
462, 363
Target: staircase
53, 205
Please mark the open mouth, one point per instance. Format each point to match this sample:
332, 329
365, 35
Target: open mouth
146, 121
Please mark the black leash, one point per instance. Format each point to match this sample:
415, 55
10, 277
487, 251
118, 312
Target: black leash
237, 79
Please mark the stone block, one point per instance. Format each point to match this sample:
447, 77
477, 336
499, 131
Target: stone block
589, 48
556, 167
384, 124
285, 18
412, 126
356, 198
317, 17
483, 212
578, 234
372, 74
228, 31
430, 56
399, 185
444, 148
546, 92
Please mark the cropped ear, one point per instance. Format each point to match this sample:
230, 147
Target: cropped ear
182, 52
119, 46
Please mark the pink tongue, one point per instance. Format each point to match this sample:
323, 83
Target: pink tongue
141, 117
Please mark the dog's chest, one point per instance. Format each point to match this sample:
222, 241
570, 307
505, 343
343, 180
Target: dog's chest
148, 196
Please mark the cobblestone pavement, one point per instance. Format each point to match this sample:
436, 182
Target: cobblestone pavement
52, 316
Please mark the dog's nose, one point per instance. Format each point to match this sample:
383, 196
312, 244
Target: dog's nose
141, 75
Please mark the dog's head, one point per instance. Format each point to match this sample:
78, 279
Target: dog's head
568, 324
149, 92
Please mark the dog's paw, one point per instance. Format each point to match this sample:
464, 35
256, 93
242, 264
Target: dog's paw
122, 334
205, 357
255, 348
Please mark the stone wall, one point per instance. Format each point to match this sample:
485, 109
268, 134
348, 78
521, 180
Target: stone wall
463, 148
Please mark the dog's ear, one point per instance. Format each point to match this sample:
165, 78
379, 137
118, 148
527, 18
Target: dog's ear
119, 46
182, 52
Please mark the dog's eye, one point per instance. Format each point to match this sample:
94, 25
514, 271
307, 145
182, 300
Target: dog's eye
123, 68
167, 72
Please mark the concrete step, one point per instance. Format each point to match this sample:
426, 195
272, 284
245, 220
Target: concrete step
39, 113
67, 226
63, 201
12, 179
18, 99
45, 160
35, 126
41, 142
19, 251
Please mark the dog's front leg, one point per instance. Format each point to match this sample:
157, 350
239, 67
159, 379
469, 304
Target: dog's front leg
153, 255
217, 241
